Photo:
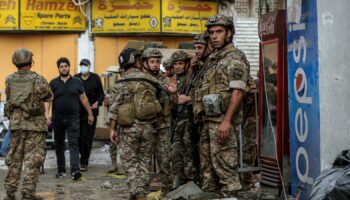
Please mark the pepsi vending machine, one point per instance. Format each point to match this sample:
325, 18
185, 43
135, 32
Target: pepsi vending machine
273, 99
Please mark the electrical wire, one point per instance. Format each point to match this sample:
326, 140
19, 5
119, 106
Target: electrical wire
80, 3
87, 17
270, 122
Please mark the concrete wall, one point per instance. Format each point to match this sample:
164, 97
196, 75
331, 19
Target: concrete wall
334, 76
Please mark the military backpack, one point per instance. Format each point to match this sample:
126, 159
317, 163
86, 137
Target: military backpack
139, 102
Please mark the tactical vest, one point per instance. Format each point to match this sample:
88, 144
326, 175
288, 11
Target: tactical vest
197, 82
210, 82
22, 94
139, 101
211, 85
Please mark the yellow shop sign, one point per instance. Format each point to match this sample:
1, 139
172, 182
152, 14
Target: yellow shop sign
9, 14
51, 15
184, 16
128, 16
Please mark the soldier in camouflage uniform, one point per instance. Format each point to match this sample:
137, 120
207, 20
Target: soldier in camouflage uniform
196, 71
183, 142
219, 99
198, 66
135, 109
151, 64
113, 148
168, 66
28, 97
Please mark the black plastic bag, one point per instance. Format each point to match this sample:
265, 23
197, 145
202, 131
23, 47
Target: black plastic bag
334, 183
343, 159
342, 188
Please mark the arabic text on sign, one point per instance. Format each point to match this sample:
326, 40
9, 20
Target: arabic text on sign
199, 8
137, 6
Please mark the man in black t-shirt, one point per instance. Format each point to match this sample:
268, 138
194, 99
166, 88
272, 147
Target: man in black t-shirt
68, 94
94, 91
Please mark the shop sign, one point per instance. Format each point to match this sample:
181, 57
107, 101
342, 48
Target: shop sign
9, 14
185, 16
128, 16
51, 15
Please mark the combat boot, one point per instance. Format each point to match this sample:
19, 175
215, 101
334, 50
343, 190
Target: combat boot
114, 168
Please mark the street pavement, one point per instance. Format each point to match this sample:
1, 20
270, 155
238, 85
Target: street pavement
95, 184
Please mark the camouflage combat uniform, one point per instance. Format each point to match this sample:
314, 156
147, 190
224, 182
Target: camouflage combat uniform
197, 122
162, 145
136, 140
28, 134
227, 70
182, 148
162, 138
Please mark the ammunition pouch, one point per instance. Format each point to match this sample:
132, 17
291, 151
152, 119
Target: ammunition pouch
212, 105
126, 114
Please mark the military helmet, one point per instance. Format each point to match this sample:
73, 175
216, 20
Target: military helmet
180, 56
152, 53
168, 63
22, 57
200, 39
128, 57
220, 20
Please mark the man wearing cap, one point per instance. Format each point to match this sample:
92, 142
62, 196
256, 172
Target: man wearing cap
221, 93
94, 92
